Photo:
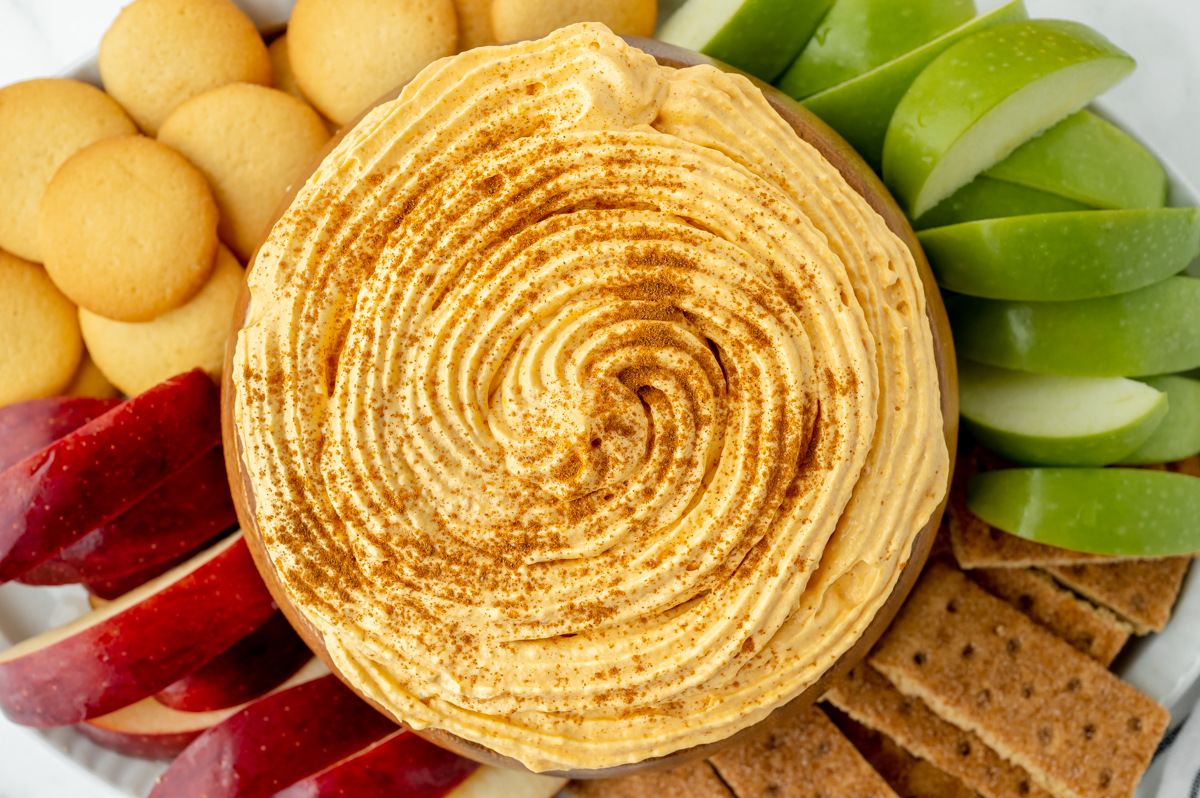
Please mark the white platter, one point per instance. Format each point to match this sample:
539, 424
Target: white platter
1162, 665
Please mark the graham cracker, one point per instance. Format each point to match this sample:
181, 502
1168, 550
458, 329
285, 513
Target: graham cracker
1093, 630
691, 780
804, 757
982, 665
978, 544
909, 776
1140, 591
870, 699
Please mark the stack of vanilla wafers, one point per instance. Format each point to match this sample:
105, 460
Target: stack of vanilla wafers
993, 681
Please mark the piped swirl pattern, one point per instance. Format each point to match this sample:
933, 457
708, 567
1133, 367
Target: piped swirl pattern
590, 415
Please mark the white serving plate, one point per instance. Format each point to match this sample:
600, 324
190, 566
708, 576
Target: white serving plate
1163, 665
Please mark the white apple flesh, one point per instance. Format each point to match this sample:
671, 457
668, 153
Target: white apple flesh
488, 782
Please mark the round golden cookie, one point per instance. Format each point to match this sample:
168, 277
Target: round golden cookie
250, 143
346, 54
281, 68
129, 228
285, 81
159, 53
42, 123
474, 23
40, 345
532, 19
89, 380
139, 356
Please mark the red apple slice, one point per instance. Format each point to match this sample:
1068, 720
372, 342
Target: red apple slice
399, 764
89, 477
29, 427
256, 664
153, 731
188, 510
275, 742
109, 589
138, 644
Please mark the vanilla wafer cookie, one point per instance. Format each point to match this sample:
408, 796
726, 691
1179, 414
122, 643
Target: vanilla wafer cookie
474, 23
346, 54
89, 380
138, 356
803, 757
1141, 591
870, 699
40, 345
982, 665
251, 144
128, 229
282, 78
908, 775
44, 122
161, 53
513, 20
1095, 631
692, 780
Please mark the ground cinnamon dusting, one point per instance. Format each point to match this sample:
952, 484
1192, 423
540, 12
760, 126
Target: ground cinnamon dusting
568, 411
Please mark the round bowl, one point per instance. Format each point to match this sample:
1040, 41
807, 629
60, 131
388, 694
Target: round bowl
860, 177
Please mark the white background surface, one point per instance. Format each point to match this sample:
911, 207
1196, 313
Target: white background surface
1160, 102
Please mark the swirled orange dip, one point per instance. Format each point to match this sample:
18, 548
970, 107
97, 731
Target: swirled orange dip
589, 413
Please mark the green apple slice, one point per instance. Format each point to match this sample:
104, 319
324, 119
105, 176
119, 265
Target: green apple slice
987, 95
757, 36
1048, 419
858, 35
1120, 511
860, 109
1178, 436
1062, 256
985, 198
1089, 160
1143, 333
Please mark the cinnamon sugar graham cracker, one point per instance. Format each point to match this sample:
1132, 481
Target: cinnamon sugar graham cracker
1140, 591
806, 757
870, 699
1094, 631
909, 776
980, 664
691, 780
